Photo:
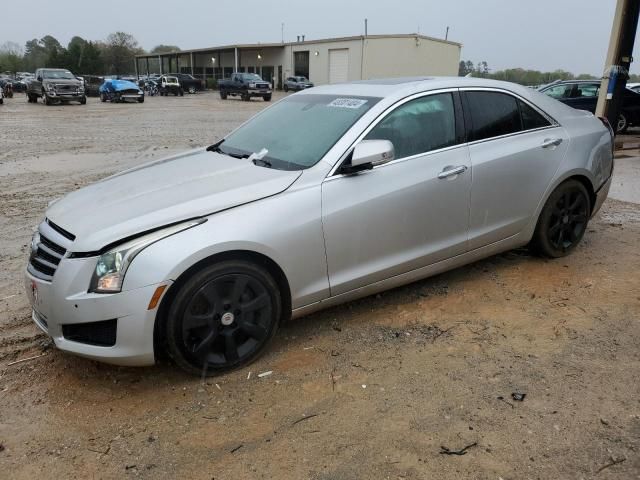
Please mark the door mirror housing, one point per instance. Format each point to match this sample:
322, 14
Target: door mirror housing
39, 78
368, 154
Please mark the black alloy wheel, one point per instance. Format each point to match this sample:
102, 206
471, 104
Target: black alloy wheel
623, 123
563, 220
223, 317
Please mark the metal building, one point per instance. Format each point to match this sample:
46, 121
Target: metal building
332, 60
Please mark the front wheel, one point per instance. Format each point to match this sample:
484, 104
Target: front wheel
83, 101
192, 90
103, 97
141, 100
623, 123
267, 98
223, 317
563, 220
45, 99
286, 88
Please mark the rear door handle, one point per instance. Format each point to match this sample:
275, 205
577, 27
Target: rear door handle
551, 142
451, 171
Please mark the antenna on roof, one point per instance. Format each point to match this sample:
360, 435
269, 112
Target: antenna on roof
446, 35
366, 26
282, 31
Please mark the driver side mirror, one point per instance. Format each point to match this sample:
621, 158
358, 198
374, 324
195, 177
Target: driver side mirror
39, 78
368, 154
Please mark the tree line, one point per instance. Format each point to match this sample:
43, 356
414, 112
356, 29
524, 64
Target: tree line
112, 56
524, 76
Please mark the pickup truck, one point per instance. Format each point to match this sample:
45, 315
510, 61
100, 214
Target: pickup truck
245, 86
55, 85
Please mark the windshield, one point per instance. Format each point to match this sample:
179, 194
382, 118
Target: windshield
58, 74
302, 79
298, 131
172, 80
251, 76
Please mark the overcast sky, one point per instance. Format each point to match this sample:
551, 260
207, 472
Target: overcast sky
543, 34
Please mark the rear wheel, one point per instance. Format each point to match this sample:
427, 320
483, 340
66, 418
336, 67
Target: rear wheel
223, 317
563, 220
192, 90
223, 95
83, 101
103, 97
286, 88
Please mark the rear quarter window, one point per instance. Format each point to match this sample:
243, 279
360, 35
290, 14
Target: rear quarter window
492, 114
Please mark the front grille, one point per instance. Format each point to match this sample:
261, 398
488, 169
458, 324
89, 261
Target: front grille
100, 334
48, 248
130, 91
65, 88
263, 86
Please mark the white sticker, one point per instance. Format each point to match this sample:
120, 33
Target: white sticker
347, 103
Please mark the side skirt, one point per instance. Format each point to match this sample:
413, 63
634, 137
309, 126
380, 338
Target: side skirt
509, 243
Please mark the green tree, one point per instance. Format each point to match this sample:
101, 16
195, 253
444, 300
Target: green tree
165, 49
10, 57
119, 51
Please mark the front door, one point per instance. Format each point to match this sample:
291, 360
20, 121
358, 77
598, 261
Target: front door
408, 213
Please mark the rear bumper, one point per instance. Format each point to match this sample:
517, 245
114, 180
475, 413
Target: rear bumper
601, 195
65, 302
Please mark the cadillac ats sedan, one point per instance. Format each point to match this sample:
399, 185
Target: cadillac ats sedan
331, 194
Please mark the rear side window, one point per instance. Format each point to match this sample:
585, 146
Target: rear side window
531, 119
493, 114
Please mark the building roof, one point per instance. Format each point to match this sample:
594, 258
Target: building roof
306, 42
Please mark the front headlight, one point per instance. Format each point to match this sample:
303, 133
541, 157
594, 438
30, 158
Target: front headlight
51, 87
252, 85
112, 266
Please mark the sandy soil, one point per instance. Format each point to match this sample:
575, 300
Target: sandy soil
370, 390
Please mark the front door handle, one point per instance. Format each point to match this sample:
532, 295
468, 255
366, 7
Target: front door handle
551, 142
451, 171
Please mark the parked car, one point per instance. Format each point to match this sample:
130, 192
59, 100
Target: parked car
583, 95
1, 96
332, 194
6, 85
55, 85
92, 85
189, 83
245, 86
117, 91
169, 84
297, 83
634, 86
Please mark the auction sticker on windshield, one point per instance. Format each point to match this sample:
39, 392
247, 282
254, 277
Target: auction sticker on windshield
347, 103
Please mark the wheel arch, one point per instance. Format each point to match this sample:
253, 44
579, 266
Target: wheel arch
247, 255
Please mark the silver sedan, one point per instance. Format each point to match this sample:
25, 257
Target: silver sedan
329, 195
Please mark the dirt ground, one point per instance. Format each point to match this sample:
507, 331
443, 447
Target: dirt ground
374, 389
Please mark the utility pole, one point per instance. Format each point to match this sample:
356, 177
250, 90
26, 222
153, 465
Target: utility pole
282, 31
619, 58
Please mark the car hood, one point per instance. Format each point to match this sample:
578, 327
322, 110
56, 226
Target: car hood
162, 192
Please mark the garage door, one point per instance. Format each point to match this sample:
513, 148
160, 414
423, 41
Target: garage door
338, 65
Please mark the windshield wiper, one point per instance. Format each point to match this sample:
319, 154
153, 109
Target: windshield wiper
261, 162
216, 148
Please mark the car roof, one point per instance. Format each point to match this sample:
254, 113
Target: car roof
391, 90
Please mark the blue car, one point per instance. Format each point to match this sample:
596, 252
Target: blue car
120, 91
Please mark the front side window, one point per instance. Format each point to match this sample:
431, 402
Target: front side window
493, 115
299, 130
589, 90
419, 126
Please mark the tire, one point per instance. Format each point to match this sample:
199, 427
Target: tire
141, 100
623, 123
209, 328
45, 99
563, 220
180, 92
223, 95
83, 101
246, 97
103, 97
1, 101
286, 88
267, 98
192, 90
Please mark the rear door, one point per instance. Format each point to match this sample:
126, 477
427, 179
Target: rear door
515, 151
405, 214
